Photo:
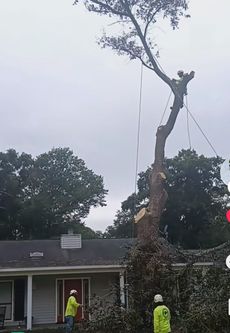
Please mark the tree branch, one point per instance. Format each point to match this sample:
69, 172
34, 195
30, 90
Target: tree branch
107, 7
178, 101
150, 20
144, 64
138, 57
164, 131
156, 68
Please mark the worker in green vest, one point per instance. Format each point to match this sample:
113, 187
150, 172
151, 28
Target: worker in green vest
71, 310
161, 316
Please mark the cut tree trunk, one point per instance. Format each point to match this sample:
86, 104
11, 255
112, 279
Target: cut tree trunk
148, 225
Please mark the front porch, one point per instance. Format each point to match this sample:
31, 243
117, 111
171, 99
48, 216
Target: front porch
38, 300
42, 328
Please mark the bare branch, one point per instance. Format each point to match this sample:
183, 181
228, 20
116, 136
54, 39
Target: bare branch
106, 7
178, 101
144, 64
157, 70
116, 22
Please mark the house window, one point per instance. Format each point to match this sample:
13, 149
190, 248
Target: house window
6, 297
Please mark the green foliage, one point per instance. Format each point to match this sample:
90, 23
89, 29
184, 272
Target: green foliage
208, 301
123, 226
197, 200
149, 273
44, 196
195, 208
107, 317
196, 296
136, 18
14, 170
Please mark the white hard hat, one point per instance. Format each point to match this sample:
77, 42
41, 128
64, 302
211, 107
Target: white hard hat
158, 298
73, 291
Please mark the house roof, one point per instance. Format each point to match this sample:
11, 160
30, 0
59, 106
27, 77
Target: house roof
16, 254
94, 252
216, 255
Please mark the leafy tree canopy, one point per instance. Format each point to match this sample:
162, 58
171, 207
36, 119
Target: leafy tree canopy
42, 197
194, 214
131, 34
136, 18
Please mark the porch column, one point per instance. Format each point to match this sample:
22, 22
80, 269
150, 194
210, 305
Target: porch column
29, 302
122, 288
127, 295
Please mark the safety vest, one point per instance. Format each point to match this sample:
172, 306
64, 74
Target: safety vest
71, 308
161, 319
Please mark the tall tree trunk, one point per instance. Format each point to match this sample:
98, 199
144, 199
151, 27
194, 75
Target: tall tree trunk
148, 226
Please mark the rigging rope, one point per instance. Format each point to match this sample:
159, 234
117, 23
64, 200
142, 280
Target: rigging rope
188, 127
139, 127
162, 118
197, 124
138, 142
190, 113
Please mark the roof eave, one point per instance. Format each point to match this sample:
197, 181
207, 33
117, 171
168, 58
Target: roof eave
61, 269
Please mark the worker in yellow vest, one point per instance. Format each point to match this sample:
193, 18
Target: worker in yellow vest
71, 310
161, 316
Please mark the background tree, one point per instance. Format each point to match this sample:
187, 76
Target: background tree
14, 170
134, 39
194, 213
123, 226
43, 197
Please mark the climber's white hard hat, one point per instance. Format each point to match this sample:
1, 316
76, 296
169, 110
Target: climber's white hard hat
73, 291
158, 298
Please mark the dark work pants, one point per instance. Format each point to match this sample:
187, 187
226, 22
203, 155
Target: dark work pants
69, 320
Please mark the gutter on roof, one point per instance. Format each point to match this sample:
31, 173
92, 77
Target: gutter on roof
64, 269
195, 264
82, 269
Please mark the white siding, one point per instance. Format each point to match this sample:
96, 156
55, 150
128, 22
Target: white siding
44, 300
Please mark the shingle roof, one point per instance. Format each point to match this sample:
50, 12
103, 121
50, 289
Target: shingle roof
16, 254
216, 255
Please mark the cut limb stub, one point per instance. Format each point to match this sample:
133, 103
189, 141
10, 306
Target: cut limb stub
144, 225
141, 215
147, 218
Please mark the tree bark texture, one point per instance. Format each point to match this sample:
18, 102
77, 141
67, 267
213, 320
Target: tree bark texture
148, 227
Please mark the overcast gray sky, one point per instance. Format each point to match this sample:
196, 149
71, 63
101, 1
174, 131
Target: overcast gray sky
58, 88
